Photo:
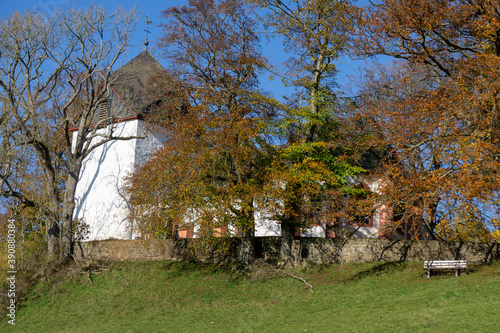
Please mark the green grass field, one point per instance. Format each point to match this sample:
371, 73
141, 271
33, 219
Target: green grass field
186, 297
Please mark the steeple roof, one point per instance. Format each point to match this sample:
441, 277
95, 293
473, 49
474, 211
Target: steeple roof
128, 86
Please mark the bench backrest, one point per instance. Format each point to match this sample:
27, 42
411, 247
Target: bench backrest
445, 264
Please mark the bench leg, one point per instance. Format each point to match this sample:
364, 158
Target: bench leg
457, 272
428, 273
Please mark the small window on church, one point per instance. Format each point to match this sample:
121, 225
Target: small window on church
399, 217
103, 110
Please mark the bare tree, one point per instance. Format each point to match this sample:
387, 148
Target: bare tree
54, 72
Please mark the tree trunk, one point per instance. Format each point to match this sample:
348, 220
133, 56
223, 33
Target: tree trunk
287, 234
67, 234
67, 215
247, 248
314, 95
53, 248
53, 228
289, 222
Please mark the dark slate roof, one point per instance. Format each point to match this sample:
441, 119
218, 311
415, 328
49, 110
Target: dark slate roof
127, 87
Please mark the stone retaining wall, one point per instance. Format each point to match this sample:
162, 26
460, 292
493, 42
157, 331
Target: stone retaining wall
319, 250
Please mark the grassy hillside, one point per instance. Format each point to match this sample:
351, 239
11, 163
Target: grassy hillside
184, 297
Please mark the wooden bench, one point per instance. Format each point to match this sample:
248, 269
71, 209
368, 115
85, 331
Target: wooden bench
457, 265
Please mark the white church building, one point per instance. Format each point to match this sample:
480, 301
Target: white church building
100, 201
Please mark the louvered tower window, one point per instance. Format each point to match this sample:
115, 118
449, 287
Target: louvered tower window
103, 110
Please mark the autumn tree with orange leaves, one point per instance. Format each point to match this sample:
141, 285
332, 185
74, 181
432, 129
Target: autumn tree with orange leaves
436, 112
236, 151
216, 152
432, 117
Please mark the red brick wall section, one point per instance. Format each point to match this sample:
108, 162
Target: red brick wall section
384, 222
188, 232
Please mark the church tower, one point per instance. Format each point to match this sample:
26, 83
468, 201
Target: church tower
100, 201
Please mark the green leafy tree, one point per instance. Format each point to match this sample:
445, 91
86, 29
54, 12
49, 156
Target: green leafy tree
314, 166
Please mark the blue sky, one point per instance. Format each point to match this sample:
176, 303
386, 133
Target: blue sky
152, 9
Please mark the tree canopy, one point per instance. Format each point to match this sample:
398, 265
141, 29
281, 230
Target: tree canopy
424, 126
436, 110
422, 131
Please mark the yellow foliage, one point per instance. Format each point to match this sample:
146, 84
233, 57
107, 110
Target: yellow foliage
496, 236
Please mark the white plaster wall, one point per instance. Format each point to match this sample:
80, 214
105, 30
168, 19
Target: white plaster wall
147, 146
372, 232
264, 225
315, 231
368, 232
144, 149
100, 201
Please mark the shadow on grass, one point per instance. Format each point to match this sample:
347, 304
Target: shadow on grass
492, 267
378, 269
181, 268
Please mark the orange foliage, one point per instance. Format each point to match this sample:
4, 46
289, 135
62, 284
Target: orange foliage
212, 163
437, 112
